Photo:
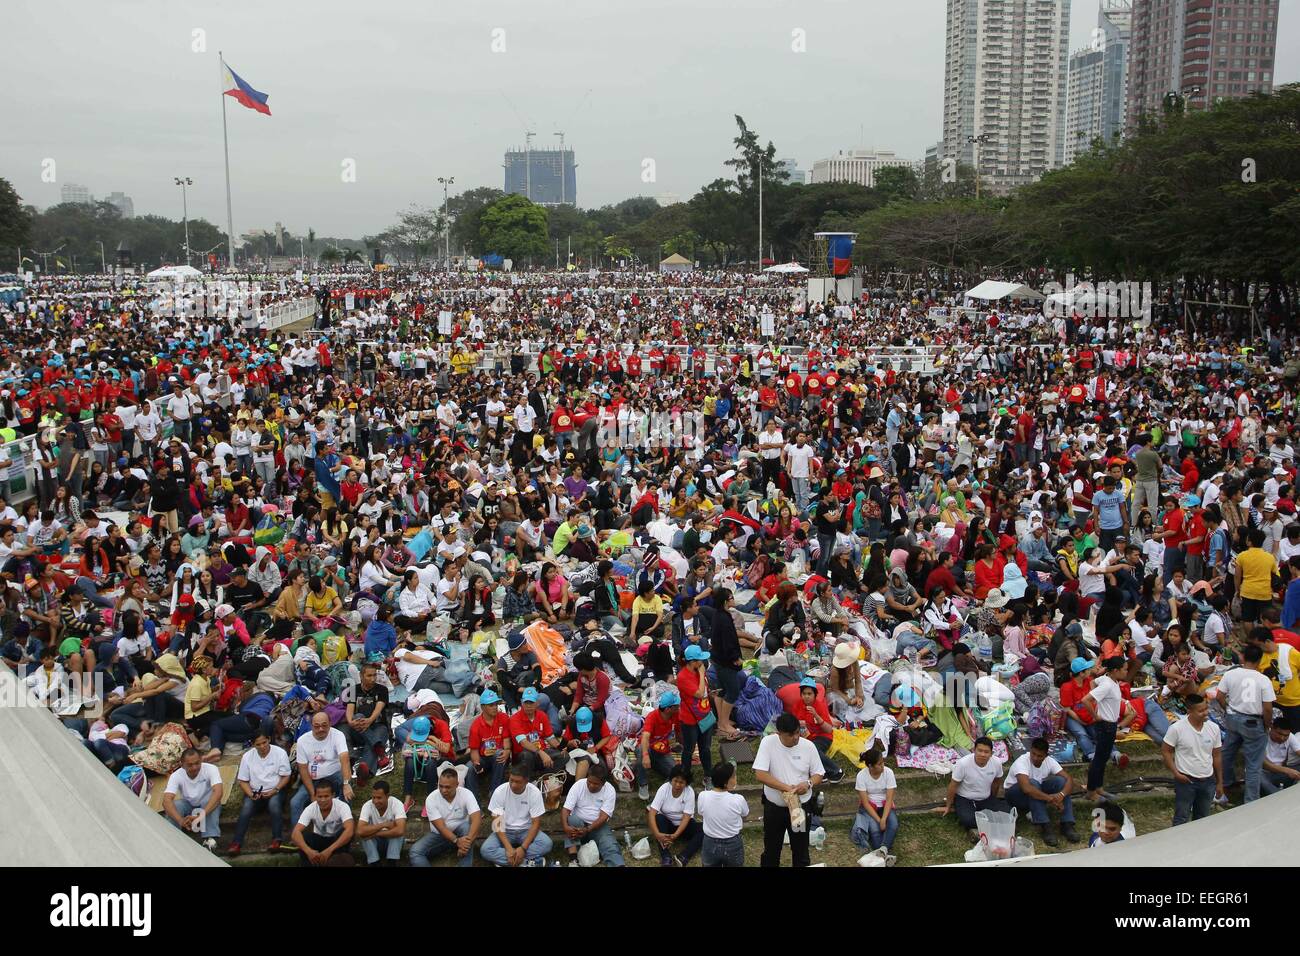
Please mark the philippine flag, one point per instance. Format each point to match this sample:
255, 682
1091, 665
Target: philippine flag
244, 93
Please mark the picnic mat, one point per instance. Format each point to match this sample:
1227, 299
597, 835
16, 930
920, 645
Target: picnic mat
919, 758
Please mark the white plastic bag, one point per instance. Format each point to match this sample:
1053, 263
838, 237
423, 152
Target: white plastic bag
880, 857
883, 650
997, 833
588, 854
1024, 847
641, 849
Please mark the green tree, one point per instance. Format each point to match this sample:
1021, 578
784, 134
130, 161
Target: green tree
515, 228
466, 213
15, 224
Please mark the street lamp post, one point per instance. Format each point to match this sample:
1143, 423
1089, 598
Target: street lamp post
103, 260
45, 257
185, 182
977, 142
446, 223
760, 213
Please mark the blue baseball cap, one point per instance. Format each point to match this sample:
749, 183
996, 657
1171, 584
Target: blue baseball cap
1080, 664
696, 653
669, 698
583, 719
808, 682
529, 694
420, 730
490, 697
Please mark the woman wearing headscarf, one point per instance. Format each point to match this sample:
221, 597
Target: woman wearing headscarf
901, 598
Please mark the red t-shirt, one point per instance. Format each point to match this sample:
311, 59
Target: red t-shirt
535, 730
561, 420
794, 384
662, 731
1072, 696
692, 710
634, 365
487, 738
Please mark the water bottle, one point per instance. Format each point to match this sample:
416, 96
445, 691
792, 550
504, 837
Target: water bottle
627, 839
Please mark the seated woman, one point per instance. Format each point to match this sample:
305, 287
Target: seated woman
554, 598
518, 606
286, 612
324, 608
785, 621
647, 616
829, 616
902, 600
476, 604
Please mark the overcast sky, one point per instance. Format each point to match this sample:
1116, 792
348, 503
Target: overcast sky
113, 92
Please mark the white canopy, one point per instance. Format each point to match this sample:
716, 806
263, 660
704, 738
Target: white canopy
61, 806
991, 291
785, 267
172, 273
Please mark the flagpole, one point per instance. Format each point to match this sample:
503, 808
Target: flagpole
225, 140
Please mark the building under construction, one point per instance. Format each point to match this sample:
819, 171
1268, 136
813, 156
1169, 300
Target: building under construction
546, 176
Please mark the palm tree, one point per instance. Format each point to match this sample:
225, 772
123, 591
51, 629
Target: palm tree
331, 255
353, 256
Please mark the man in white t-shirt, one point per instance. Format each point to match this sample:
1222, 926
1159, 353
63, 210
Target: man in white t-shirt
1193, 752
1248, 698
264, 774
786, 763
586, 813
1281, 759
381, 826
517, 838
672, 817
1104, 703
324, 828
796, 458
454, 820
1036, 782
192, 800
323, 754
976, 785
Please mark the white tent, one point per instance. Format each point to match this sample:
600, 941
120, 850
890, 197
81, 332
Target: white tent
174, 274
786, 267
1260, 833
61, 806
991, 291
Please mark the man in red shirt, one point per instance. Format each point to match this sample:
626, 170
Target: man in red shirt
767, 402
662, 727
794, 389
534, 741
561, 425
634, 365
1173, 533
489, 746
1194, 538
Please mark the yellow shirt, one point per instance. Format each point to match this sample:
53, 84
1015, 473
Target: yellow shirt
651, 606
1288, 694
1257, 570
199, 687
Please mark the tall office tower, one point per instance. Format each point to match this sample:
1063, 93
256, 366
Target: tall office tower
1192, 53
1098, 81
1005, 84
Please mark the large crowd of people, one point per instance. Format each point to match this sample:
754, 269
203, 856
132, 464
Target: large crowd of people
540, 545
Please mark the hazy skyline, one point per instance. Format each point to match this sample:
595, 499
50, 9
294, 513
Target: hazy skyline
115, 95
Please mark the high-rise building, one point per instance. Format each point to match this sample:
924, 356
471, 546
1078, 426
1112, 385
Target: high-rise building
123, 203
1005, 81
1199, 51
856, 166
71, 192
793, 173
546, 176
1098, 81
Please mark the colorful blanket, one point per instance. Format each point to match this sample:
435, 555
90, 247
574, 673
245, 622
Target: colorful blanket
919, 758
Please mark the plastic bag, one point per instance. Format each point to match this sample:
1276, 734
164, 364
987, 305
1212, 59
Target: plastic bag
883, 650
641, 849
880, 857
1024, 847
588, 854
851, 743
997, 833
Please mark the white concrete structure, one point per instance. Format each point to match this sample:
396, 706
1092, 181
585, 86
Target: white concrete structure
1005, 79
61, 807
856, 166
74, 192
